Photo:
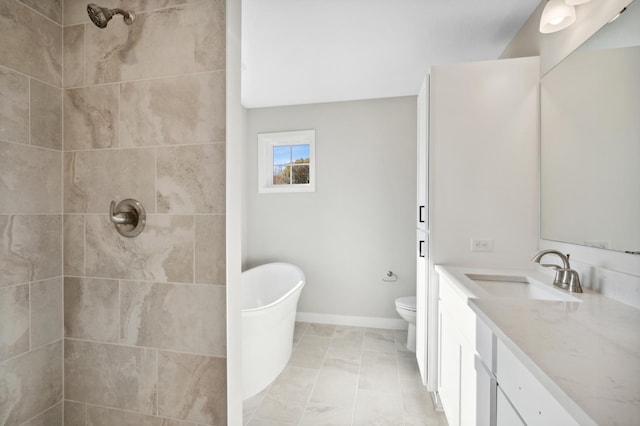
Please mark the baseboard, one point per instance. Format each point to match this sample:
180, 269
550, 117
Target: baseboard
353, 321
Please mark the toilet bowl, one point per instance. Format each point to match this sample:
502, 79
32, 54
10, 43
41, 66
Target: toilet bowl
406, 307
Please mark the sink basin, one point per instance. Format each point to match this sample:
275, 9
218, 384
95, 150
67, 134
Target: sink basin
518, 286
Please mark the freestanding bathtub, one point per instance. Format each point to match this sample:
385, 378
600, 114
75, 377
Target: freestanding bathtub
270, 295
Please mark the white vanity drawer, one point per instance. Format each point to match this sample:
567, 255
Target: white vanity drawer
533, 401
506, 415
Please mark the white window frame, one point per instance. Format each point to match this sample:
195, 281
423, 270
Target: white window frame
266, 142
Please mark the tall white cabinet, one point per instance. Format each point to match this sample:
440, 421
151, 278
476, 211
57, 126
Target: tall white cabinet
422, 231
483, 174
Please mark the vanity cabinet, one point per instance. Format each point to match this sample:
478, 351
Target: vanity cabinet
481, 381
449, 370
466, 384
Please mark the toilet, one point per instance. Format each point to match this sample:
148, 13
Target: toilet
406, 307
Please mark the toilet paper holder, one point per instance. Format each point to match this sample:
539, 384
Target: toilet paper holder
390, 277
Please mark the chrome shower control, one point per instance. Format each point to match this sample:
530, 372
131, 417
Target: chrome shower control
128, 217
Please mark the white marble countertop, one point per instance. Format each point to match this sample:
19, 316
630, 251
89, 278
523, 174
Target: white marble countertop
587, 353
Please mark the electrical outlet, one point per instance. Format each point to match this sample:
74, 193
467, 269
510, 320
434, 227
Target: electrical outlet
481, 245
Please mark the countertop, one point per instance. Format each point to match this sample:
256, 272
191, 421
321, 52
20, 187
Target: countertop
587, 353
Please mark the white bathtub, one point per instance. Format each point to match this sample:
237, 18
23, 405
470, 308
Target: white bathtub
269, 300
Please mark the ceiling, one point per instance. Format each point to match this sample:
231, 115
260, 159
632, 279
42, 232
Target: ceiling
313, 51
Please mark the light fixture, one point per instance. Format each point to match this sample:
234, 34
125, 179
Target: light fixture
557, 15
576, 2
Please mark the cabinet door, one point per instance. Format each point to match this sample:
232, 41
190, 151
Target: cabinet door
422, 153
485, 395
421, 303
468, 386
449, 367
506, 415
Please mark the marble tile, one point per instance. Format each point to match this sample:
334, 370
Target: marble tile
419, 406
46, 115
317, 414
91, 309
349, 332
379, 372
326, 330
14, 108
250, 405
51, 417
73, 251
189, 109
75, 11
336, 384
198, 188
408, 366
30, 384
210, 43
90, 186
46, 311
195, 43
110, 375
30, 178
163, 252
381, 409
298, 331
347, 342
91, 117
73, 49
30, 248
100, 416
352, 387
262, 422
286, 399
438, 419
401, 344
192, 387
189, 318
310, 351
14, 321
379, 340
31, 44
52, 9
210, 250
75, 413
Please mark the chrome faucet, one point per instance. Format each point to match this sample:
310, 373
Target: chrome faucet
566, 278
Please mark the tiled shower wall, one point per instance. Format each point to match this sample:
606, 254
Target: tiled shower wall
31, 369
143, 318
144, 118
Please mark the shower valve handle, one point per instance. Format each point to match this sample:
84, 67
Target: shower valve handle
128, 216
122, 218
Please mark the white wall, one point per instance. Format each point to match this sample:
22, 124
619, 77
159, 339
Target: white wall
359, 223
484, 162
615, 274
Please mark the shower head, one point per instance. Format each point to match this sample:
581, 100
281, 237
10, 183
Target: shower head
102, 15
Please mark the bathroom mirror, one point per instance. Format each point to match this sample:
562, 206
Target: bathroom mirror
590, 141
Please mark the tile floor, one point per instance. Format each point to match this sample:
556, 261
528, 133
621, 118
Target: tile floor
345, 376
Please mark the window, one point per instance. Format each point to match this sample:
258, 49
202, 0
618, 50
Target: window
286, 161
